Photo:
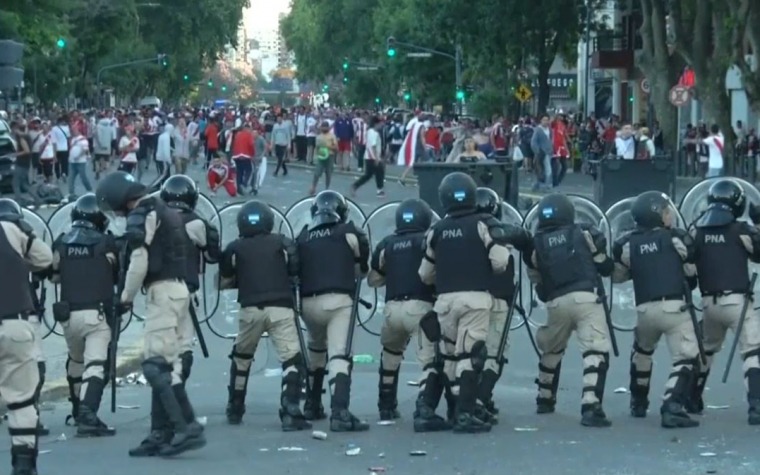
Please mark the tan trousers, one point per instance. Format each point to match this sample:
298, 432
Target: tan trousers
19, 376
166, 302
496, 322
39, 354
279, 323
327, 318
579, 312
656, 319
402, 322
87, 337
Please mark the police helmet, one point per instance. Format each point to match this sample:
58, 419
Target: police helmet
648, 207
413, 215
180, 191
255, 217
728, 193
555, 210
86, 211
488, 201
329, 207
10, 210
457, 192
116, 190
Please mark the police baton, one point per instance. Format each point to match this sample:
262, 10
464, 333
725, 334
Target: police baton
607, 313
500, 360
116, 310
197, 327
355, 316
740, 325
694, 322
301, 339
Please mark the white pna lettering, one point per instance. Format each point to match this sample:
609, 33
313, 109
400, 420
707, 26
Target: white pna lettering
319, 233
715, 239
78, 251
402, 245
649, 248
555, 241
452, 234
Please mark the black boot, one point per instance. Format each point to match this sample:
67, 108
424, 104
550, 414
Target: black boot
290, 404
188, 433
42, 431
236, 402
341, 419
313, 410
88, 423
546, 405
639, 392
24, 460
694, 404
160, 430
73, 397
753, 396
673, 413
486, 409
425, 418
387, 402
466, 420
592, 415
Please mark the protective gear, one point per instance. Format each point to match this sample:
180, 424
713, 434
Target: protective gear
719, 254
729, 193
656, 266
564, 261
255, 217
10, 210
462, 262
290, 400
116, 190
413, 215
86, 211
648, 208
86, 273
457, 192
555, 210
327, 248
402, 254
328, 207
167, 250
180, 191
15, 293
193, 258
488, 201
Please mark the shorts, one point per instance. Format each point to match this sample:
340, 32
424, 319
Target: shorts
114, 147
311, 141
102, 157
394, 148
344, 146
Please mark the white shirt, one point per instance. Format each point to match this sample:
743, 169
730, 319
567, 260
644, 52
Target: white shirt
48, 147
128, 148
715, 145
311, 127
374, 144
192, 130
79, 150
625, 148
301, 124
62, 135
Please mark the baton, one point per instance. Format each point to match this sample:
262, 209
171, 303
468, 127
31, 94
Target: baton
301, 339
740, 325
198, 331
354, 316
607, 314
694, 322
116, 322
505, 331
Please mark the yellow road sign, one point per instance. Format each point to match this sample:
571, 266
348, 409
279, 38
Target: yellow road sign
523, 93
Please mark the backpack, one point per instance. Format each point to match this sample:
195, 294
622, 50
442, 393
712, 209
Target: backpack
396, 132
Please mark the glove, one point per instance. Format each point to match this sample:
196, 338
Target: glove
123, 307
754, 213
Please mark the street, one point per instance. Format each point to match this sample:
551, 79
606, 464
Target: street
523, 442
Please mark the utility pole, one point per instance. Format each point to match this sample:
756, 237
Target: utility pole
587, 60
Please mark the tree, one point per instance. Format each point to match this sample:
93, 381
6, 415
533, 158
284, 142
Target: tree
745, 19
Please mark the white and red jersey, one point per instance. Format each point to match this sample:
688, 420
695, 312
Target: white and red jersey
360, 131
219, 173
499, 136
128, 147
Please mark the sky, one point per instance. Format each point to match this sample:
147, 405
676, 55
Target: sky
264, 14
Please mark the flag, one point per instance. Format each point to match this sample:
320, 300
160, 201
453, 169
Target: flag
406, 153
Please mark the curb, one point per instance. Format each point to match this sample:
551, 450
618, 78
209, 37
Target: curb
127, 363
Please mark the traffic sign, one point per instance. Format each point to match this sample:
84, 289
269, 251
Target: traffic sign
522, 74
679, 95
523, 93
645, 87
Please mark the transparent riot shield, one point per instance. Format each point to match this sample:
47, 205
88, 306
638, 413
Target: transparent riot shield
694, 203
379, 224
42, 289
510, 215
619, 223
586, 212
223, 321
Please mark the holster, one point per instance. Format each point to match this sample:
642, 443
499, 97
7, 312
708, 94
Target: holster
61, 312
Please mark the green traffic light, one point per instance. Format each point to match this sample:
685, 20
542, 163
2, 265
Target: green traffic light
345, 65
391, 52
211, 84
345, 79
325, 87
377, 100
224, 88
407, 96
460, 95
186, 77
61, 43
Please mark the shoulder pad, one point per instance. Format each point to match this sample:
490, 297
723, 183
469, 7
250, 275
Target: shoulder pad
25, 227
135, 233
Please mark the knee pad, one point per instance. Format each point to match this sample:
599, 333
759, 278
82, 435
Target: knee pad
431, 327
478, 355
187, 364
296, 361
157, 371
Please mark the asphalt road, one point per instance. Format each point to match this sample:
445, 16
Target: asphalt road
523, 443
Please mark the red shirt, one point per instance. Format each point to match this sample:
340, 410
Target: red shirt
433, 138
559, 135
243, 145
212, 136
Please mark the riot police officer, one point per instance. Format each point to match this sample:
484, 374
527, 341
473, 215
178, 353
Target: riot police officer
502, 290
180, 193
394, 264
463, 250
20, 249
85, 263
565, 266
263, 266
331, 244
723, 246
658, 259
156, 238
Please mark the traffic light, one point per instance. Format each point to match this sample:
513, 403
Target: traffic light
210, 83
407, 96
345, 64
390, 46
186, 77
325, 87
345, 79
61, 43
224, 88
163, 60
460, 95
377, 100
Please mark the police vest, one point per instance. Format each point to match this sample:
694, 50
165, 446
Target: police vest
194, 256
262, 272
564, 261
403, 254
327, 261
503, 285
166, 253
87, 276
656, 267
15, 292
721, 259
461, 257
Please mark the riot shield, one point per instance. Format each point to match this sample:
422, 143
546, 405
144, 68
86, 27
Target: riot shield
45, 288
222, 320
586, 212
621, 298
379, 224
510, 215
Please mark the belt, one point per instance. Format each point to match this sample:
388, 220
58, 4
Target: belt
78, 307
664, 298
15, 316
325, 292
723, 293
404, 298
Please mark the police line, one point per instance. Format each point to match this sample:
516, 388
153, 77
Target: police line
219, 309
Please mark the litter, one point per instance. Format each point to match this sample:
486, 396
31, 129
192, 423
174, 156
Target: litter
273, 372
352, 451
708, 454
202, 420
61, 438
363, 359
263, 450
319, 435
717, 408
620, 390
43, 452
377, 469
412, 383
526, 429
291, 449
386, 423
417, 453
124, 406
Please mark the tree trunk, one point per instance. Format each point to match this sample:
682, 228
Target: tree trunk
746, 16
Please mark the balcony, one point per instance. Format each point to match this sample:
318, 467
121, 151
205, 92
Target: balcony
614, 50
